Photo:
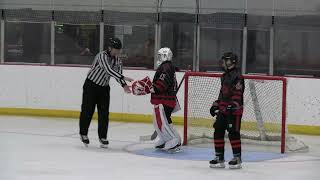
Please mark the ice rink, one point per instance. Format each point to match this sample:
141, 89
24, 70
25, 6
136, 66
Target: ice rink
37, 148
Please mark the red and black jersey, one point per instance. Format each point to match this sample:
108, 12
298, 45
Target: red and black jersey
165, 85
232, 89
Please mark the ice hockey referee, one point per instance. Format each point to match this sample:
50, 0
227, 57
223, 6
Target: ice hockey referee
96, 90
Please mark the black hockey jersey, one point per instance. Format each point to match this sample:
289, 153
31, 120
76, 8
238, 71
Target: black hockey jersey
231, 92
165, 85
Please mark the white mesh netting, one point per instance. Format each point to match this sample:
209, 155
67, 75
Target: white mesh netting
263, 110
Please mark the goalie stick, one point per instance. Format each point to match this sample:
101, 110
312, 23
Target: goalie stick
153, 136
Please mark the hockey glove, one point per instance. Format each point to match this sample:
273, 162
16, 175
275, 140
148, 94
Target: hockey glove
142, 87
231, 107
214, 109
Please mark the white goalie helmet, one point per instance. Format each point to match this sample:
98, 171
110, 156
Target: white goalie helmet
164, 54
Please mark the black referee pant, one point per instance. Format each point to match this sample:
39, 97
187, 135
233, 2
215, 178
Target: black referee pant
93, 95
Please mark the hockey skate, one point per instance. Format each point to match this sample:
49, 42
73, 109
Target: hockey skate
235, 163
160, 146
173, 146
85, 140
175, 149
159, 143
104, 143
218, 162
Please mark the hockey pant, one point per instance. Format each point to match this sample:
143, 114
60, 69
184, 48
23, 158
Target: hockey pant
95, 95
162, 123
232, 124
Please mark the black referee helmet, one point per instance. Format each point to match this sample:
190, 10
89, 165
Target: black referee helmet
114, 43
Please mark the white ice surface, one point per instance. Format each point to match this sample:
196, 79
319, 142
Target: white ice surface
49, 149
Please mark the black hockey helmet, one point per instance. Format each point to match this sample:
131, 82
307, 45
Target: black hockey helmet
114, 43
229, 60
230, 55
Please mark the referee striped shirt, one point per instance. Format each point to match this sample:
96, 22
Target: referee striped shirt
103, 67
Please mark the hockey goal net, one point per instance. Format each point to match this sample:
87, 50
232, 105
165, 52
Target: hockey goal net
264, 117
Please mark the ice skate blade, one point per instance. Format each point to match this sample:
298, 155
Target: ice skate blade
238, 166
105, 146
173, 151
218, 166
170, 151
85, 145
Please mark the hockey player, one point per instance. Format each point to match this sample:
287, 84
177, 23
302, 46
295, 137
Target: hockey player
228, 109
163, 91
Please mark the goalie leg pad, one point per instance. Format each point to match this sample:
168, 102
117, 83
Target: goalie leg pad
166, 131
161, 124
176, 141
160, 142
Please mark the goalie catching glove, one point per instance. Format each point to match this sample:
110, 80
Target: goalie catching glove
142, 87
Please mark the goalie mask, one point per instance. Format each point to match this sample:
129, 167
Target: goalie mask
164, 54
229, 61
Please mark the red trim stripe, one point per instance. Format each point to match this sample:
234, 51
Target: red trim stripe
235, 141
236, 97
237, 93
158, 118
218, 140
219, 145
236, 146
